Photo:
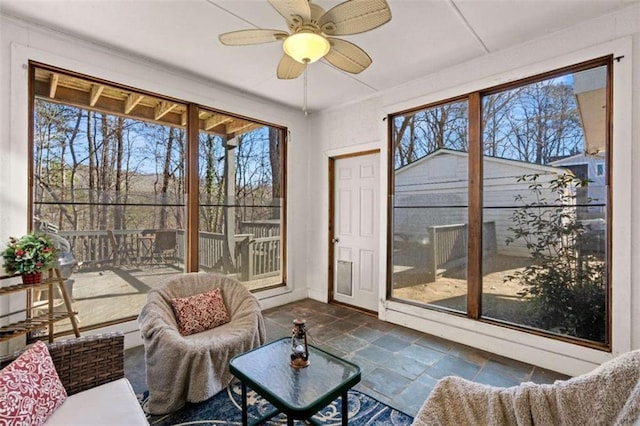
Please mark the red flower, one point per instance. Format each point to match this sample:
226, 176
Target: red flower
39, 264
19, 252
46, 250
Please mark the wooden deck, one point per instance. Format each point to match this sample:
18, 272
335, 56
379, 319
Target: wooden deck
111, 294
117, 268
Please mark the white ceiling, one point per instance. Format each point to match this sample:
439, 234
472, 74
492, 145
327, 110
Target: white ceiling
422, 37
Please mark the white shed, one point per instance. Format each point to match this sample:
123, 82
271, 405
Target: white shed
433, 191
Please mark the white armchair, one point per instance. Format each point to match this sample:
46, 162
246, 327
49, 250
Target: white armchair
193, 368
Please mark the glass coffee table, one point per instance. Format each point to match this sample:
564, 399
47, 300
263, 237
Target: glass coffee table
299, 393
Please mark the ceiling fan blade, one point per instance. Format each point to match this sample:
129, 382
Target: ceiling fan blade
355, 16
347, 56
316, 12
293, 11
289, 68
246, 37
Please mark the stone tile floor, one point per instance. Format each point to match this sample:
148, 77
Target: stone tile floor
399, 366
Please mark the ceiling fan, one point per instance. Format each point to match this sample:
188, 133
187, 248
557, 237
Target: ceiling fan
311, 34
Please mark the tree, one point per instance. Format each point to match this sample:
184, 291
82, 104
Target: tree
565, 289
211, 178
56, 129
418, 134
403, 146
97, 171
275, 156
167, 175
540, 122
495, 111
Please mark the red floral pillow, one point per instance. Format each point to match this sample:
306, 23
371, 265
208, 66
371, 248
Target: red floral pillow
30, 389
200, 312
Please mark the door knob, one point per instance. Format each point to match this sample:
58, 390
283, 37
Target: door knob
335, 240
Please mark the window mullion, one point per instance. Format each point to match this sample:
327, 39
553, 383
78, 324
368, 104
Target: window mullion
192, 188
474, 230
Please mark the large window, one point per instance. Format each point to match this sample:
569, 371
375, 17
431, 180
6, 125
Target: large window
111, 170
530, 247
431, 205
240, 185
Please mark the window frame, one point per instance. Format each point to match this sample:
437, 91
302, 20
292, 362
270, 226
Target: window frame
191, 189
475, 197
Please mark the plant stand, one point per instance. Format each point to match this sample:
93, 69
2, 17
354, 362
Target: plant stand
44, 320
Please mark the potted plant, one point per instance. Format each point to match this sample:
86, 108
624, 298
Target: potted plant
28, 256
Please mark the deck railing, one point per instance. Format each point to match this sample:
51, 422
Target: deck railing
260, 257
261, 229
98, 247
448, 246
251, 257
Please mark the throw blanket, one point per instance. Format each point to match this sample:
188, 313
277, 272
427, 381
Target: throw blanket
609, 395
196, 367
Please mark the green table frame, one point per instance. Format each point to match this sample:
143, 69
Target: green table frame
299, 393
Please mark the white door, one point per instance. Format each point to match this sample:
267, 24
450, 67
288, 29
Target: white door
356, 239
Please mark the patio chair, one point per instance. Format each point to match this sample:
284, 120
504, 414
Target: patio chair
120, 250
144, 245
165, 244
195, 367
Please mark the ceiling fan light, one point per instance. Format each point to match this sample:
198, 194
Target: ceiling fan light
306, 47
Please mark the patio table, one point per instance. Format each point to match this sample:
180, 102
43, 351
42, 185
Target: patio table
297, 392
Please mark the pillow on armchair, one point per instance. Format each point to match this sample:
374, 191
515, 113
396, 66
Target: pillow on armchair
30, 389
200, 312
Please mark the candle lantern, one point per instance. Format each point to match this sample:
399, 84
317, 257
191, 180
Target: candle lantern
299, 347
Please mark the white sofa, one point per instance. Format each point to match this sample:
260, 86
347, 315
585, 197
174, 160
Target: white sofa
92, 371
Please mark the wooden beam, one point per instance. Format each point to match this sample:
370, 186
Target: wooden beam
131, 102
215, 120
238, 125
245, 129
53, 85
96, 91
183, 119
106, 104
163, 108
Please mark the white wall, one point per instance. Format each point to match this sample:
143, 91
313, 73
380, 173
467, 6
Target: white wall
21, 42
357, 128
343, 129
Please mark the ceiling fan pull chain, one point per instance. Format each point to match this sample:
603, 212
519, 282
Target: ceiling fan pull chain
304, 104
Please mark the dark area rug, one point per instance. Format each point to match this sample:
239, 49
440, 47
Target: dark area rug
224, 408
